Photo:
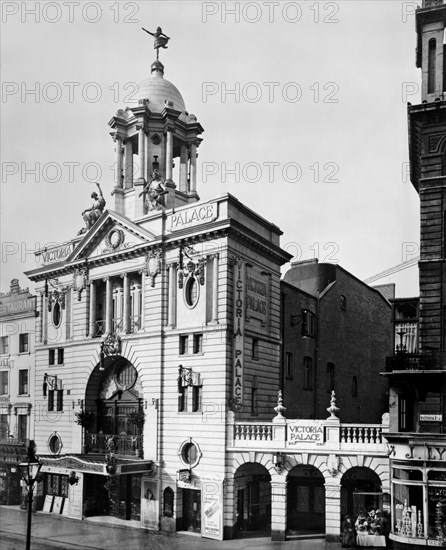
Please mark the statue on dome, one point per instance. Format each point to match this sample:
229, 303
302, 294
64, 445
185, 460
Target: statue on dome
161, 40
91, 215
154, 192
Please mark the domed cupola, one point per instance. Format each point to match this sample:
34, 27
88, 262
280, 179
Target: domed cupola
149, 134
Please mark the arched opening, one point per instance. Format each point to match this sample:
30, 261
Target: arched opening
431, 68
252, 488
305, 501
360, 489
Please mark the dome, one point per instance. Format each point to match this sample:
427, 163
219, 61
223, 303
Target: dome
157, 90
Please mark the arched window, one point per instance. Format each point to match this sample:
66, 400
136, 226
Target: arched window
431, 72
168, 496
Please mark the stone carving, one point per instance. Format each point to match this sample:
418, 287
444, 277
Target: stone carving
80, 281
111, 345
154, 193
91, 215
153, 265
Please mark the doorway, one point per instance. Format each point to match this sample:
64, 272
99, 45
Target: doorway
192, 510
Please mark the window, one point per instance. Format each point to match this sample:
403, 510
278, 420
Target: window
308, 373
59, 403
57, 315
23, 343
60, 357
404, 414
23, 382
343, 302
354, 387
4, 426
307, 323
330, 377
4, 383
182, 399
289, 365
196, 398
191, 292
190, 454
51, 356
168, 498
255, 348
22, 425
198, 343
4, 345
55, 443
184, 344
431, 62
51, 400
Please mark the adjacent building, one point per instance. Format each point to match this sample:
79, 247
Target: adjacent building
17, 410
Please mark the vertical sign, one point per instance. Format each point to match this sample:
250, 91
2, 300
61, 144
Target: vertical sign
239, 319
75, 498
212, 509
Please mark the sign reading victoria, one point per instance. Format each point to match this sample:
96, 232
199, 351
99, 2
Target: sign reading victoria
239, 319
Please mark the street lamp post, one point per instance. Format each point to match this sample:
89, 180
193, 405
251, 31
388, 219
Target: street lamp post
30, 469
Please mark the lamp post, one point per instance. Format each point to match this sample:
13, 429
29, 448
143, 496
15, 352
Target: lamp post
30, 469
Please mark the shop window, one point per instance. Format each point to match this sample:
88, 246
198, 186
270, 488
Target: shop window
307, 323
289, 366
330, 377
4, 345
198, 343
255, 348
308, 373
184, 344
51, 356
57, 484
408, 474
408, 506
4, 383
51, 400
24, 343
23, 382
168, 500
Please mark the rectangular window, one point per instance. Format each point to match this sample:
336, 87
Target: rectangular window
289, 365
4, 382
184, 344
4, 426
308, 373
22, 425
182, 399
59, 397
51, 356
198, 343
23, 382
255, 348
60, 356
24, 343
4, 345
196, 398
330, 377
51, 400
405, 416
307, 323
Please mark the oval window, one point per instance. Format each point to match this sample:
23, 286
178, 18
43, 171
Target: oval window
190, 454
126, 377
57, 314
191, 292
55, 444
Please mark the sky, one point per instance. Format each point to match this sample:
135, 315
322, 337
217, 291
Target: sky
304, 107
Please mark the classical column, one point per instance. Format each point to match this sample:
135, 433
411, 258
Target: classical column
141, 152
172, 294
92, 331
126, 325
118, 174
278, 510
183, 168
128, 166
193, 168
215, 288
108, 306
169, 155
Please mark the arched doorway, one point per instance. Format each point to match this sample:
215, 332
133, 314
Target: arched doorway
360, 488
252, 487
305, 501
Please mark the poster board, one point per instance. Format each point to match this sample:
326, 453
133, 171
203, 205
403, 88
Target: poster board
212, 509
74, 501
48, 504
57, 505
149, 505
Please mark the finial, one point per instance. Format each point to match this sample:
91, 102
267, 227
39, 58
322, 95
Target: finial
332, 409
280, 409
160, 41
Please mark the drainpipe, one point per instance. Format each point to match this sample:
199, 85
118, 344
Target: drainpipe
282, 343
316, 358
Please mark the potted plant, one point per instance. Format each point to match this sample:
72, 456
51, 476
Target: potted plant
84, 419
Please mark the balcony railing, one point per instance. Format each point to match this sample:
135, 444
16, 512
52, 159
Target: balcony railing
416, 361
129, 445
361, 433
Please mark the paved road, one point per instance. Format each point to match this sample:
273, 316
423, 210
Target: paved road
49, 532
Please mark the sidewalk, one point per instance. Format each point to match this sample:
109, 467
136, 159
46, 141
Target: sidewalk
57, 532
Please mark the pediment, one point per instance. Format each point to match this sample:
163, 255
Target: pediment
111, 234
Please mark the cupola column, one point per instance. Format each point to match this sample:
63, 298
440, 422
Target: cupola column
172, 294
183, 168
128, 166
141, 152
92, 309
193, 168
169, 155
118, 175
126, 324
